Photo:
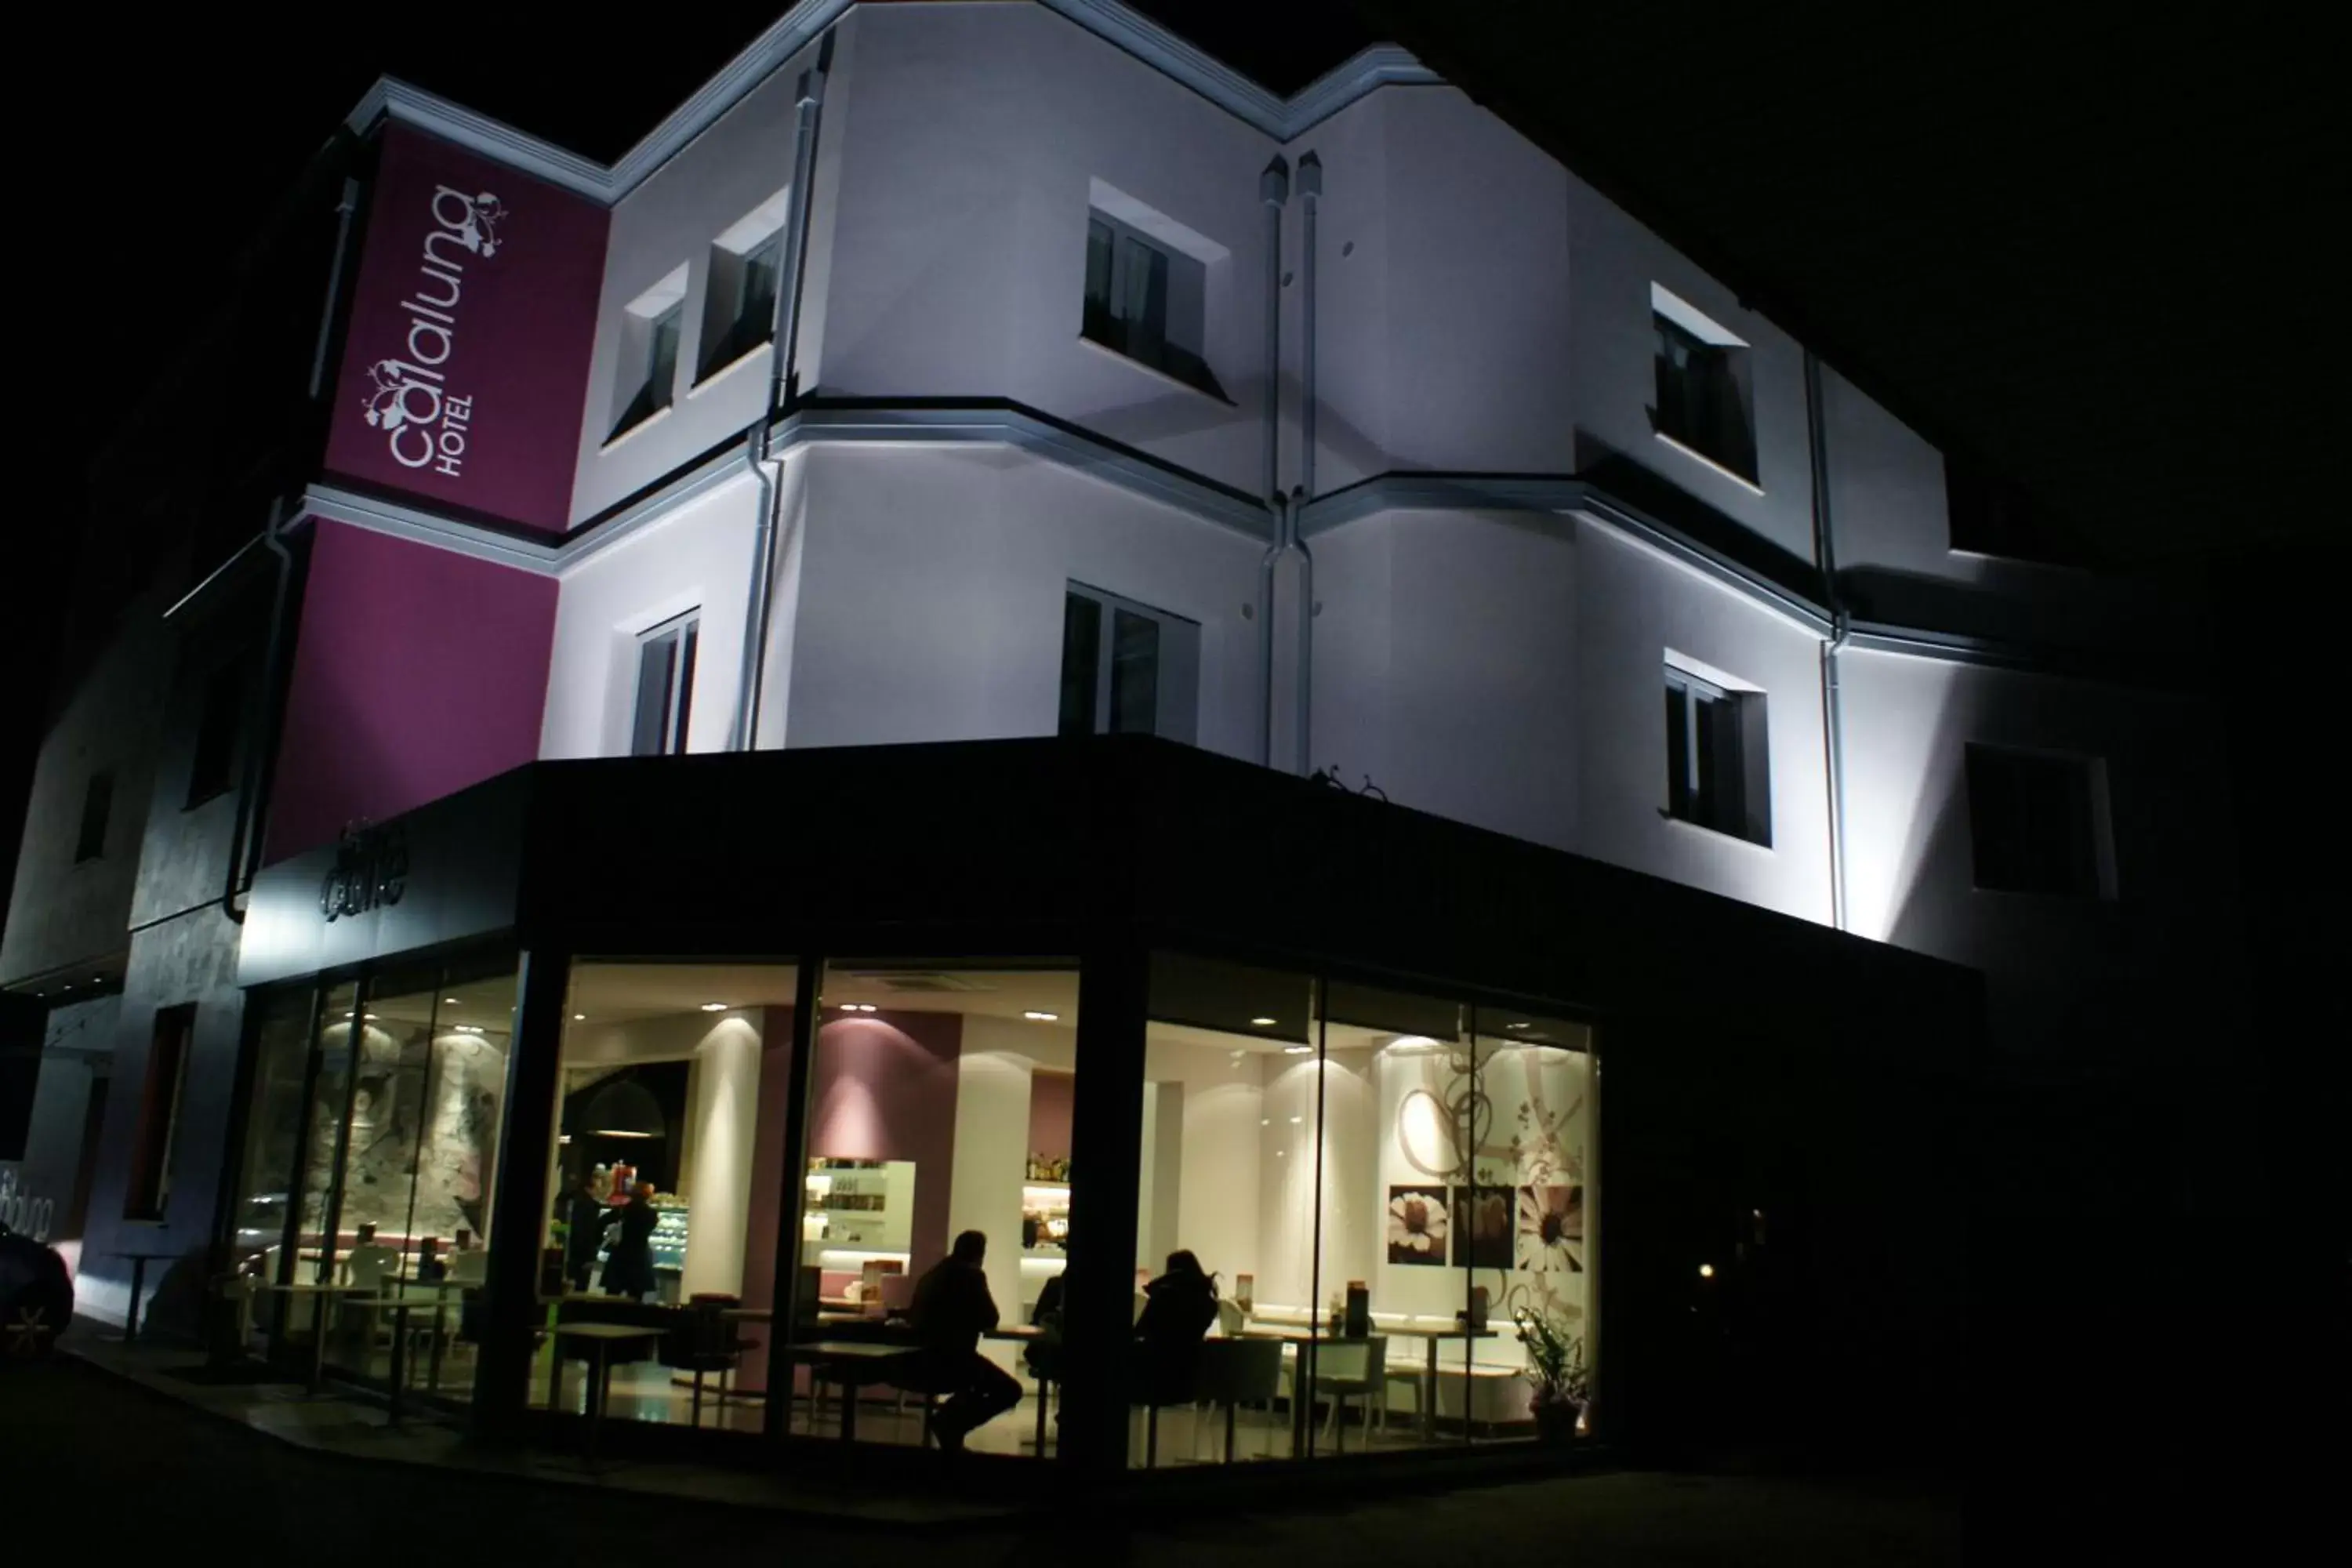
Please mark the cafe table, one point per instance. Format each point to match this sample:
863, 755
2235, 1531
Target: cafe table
602, 1338
139, 1262
848, 1364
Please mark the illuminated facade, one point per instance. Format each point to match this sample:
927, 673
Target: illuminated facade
949, 375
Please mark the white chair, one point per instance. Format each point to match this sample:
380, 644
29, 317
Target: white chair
1235, 1372
1231, 1320
1352, 1369
1141, 1301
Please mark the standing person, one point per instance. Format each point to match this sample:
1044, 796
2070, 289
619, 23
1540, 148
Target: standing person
1178, 1310
952, 1307
629, 1270
577, 1210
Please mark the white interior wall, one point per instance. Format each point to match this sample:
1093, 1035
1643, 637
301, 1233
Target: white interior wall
1217, 1198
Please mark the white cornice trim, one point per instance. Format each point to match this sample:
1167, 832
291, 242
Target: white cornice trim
424, 528
1383, 65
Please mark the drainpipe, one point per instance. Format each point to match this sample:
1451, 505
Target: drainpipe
743, 734
343, 210
1274, 190
1833, 698
253, 788
1310, 195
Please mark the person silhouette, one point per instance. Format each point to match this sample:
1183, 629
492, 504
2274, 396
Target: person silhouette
952, 1307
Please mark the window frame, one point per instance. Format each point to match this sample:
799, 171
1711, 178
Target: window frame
684, 633
1733, 797
1175, 668
735, 332
219, 736
1177, 347
2091, 879
97, 818
656, 390
1724, 389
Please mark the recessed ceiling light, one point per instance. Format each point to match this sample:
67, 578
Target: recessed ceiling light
368, 1018
714, 1007
1517, 1026
1037, 1016
1295, 1051
449, 1002
859, 1007
579, 1018
1265, 1023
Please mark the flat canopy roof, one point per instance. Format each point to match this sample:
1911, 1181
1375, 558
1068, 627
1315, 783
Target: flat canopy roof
1052, 848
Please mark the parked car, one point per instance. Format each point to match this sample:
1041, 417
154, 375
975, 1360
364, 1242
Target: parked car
36, 1296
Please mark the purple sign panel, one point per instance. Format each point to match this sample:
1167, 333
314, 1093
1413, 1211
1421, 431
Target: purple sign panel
466, 365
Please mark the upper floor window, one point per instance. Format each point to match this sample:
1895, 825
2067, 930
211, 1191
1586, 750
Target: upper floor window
740, 314
212, 765
2038, 823
1147, 299
650, 330
665, 687
1705, 403
1126, 669
1718, 750
96, 806
1990, 515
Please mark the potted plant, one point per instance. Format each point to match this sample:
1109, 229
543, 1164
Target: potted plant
1556, 1370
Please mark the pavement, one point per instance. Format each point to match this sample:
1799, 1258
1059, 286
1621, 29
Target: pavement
133, 1464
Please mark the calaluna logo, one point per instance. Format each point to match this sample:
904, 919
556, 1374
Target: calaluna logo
424, 423
371, 869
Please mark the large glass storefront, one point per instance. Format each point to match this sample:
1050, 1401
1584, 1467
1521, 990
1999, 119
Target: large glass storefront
1348, 1202
358, 1233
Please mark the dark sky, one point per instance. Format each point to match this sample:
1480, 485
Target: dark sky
2083, 242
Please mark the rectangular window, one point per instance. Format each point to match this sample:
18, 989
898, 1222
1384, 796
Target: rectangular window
1126, 668
739, 309
651, 328
1706, 404
212, 766
1146, 300
1989, 515
1716, 752
665, 688
2038, 823
150, 1188
96, 806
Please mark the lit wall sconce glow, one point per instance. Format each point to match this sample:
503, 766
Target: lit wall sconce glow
859, 1007
579, 1018
1296, 1120
1296, 1050
370, 1019
1265, 1023
1035, 1017
714, 1007
1707, 1270
450, 1002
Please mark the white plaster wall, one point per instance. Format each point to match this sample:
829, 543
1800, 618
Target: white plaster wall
992, 1128
1447, 667
1612, 262
958, 263
670, 221
1633, 606
931, 589
2049, 961
699, 557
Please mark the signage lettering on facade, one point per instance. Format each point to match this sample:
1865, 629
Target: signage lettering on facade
423, 422
371, 871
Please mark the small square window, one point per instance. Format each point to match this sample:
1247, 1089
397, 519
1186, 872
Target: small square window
740, 307
1126, 668
2038, 824
1146, 300
1706, 404
212, 764
1717, 753
651, 327
664, 698
96, 806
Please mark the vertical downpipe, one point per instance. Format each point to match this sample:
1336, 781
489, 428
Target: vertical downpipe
1274, 190
784, 334
1310, 195
1833, 698
343, 210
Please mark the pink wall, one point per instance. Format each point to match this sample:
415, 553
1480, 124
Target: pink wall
885, 1088
465, 368
416, 671
1051, 1095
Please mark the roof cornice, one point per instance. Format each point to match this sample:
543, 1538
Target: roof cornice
1383, 65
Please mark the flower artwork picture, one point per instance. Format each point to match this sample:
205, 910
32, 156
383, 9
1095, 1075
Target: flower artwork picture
1417, 1226
1481, 1227
1551, 1229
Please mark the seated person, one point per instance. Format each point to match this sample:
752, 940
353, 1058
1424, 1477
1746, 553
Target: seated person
1178, 1310
370, 1262
952, 1307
